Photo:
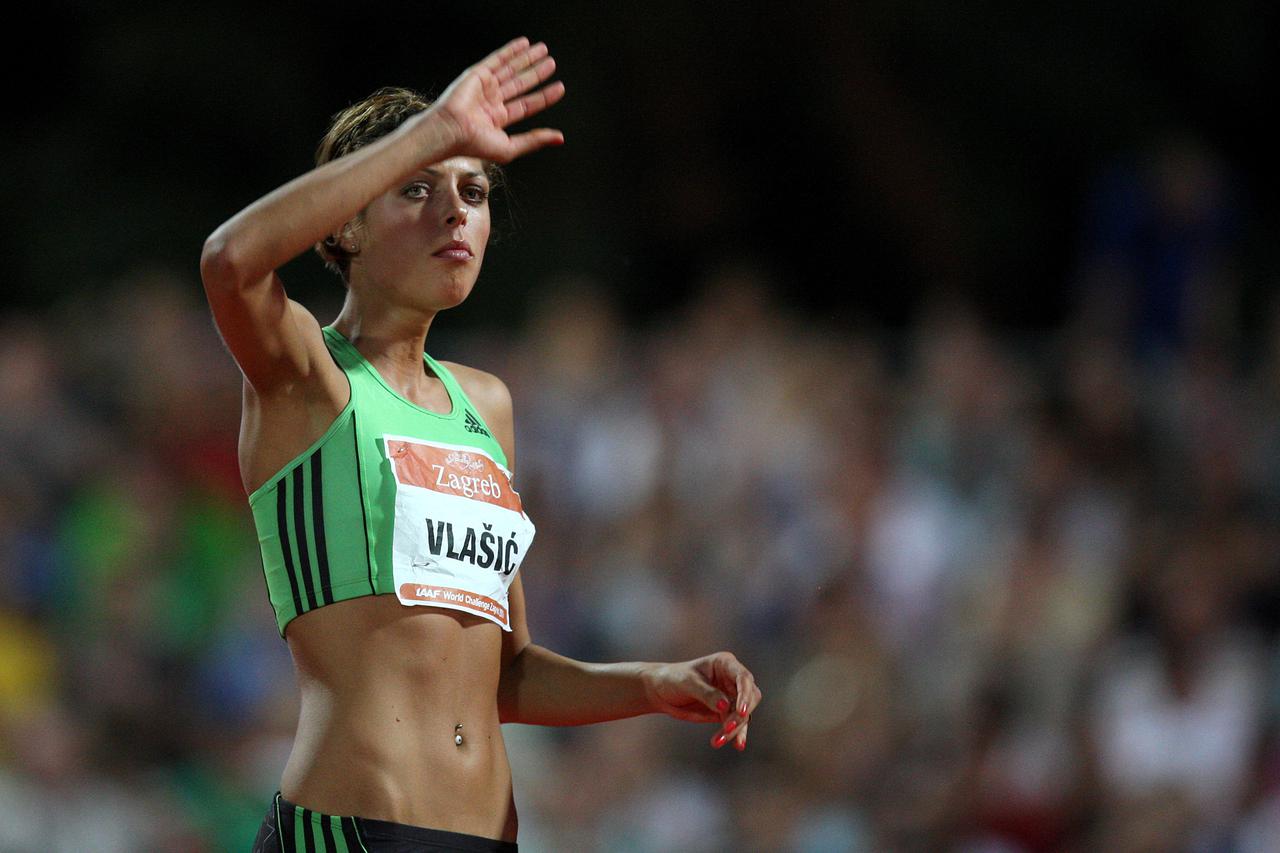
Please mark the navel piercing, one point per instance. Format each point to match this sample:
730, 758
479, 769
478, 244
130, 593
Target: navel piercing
457, 735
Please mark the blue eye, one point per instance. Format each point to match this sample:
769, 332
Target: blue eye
417, 190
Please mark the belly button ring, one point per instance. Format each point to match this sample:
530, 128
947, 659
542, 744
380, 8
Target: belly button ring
457, 735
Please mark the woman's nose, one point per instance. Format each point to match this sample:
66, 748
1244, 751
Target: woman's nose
457, 216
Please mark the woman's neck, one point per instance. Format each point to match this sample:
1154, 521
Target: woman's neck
391, 338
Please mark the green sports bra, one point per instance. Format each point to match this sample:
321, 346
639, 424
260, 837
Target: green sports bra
327, 521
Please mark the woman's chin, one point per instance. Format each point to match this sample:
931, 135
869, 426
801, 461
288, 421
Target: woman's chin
451, 295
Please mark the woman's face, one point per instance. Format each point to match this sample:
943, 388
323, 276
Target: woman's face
422, 241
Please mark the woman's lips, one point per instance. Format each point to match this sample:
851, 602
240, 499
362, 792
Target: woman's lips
456, 250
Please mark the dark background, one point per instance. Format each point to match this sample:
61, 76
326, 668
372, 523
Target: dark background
924, 355
866, 155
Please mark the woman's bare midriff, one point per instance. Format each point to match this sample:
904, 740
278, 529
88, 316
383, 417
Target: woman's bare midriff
384, 687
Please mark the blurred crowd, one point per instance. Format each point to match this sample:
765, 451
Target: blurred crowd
1002, 591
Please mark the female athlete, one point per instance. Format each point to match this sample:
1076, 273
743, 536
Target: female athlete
380, 484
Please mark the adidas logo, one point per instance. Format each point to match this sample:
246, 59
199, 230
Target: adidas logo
473, 424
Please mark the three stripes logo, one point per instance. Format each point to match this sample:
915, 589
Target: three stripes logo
472, 424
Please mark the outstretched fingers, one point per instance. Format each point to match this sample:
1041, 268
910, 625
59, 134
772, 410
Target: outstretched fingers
519, 68
520, 60
528, 78
495, 61
523, 143
534, 102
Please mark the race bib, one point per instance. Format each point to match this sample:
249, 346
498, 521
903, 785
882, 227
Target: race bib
460, 530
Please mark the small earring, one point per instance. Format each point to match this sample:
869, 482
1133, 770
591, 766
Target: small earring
331, 241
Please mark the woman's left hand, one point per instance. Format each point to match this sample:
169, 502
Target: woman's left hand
711, 689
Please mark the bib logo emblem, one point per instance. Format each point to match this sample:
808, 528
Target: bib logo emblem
463, 462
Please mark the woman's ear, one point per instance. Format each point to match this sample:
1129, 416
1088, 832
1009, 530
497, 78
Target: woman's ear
346, 238
349, 235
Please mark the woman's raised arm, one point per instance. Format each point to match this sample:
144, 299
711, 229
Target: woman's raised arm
272, 338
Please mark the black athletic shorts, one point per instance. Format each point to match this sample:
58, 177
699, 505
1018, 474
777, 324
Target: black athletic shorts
289, 828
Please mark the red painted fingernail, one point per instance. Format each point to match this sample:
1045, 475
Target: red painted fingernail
722, 705
744, 710
733, 724
719, 741
740, 744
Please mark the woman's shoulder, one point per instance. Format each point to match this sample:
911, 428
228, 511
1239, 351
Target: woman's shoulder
489, 395
480, 385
